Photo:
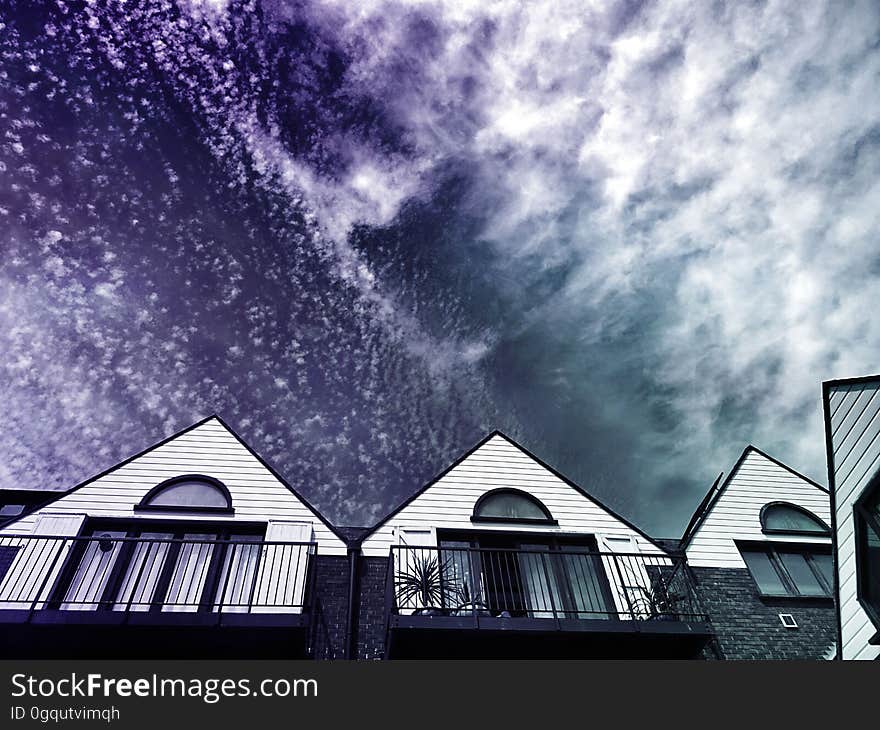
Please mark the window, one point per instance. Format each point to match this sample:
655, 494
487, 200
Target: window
790, 570
11, 510
511, 505
160, 566
190, 493
787, 518
867, 532
525, 575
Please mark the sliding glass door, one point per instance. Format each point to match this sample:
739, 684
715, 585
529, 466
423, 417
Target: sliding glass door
528, 576
176, 569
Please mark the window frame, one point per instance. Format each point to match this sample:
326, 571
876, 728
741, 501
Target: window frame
825, 530
772, 550
134, 528
478, 518
481, 541
145, 506
862, 520
8, 515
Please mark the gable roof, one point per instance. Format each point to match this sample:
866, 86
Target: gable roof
530, 455
715, 492
859, 380
56, 496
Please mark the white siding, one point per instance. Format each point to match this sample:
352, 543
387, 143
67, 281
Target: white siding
449, 502
735, 515
855, 446
210, 449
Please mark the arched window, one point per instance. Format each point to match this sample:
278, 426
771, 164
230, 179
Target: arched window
867, 529
511, 505
788, 519
188, 493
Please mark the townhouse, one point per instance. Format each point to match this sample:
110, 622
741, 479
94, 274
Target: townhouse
196, 547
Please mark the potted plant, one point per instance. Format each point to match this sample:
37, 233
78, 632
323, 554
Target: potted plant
659, 602
468, 605
422, 582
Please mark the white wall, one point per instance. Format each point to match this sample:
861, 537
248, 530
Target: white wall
449, 502
756, 481
210, 449
854, 460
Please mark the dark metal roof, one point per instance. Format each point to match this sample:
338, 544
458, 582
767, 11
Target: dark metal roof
352, 534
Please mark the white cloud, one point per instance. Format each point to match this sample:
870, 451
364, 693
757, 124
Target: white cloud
704, 174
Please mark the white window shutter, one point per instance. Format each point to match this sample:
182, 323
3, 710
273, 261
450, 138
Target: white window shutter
419, 544
289, 531
416, 536
626, 574
35, 558
281, 581
59, 523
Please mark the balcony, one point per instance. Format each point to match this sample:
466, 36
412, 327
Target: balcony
108, 595
491, 603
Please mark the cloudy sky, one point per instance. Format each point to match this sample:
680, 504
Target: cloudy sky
635, 236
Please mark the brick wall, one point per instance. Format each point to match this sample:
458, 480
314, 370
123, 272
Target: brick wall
331, 607
748, 626
371, 608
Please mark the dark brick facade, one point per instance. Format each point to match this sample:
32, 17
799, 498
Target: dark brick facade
748, 626
329, 632
371, 608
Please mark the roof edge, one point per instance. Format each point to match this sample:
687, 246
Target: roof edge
284, 481
695, 523
162, 442
789, 469
850, 381
427, 485
105, 472
559, 475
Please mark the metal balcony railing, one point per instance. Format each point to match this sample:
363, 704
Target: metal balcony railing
140, 574
540, 584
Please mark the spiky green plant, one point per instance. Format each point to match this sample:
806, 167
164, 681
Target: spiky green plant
423, 581
659, 599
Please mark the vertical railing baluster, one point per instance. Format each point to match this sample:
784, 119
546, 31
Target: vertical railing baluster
48, 575
31, 563
623, 587
543, 557
145, 558
229, 559
296, 574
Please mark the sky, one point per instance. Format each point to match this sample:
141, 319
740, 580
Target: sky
634, 236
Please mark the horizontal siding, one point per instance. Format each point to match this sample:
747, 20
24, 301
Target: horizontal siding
854, 411
449, 502
736, 515
257, 495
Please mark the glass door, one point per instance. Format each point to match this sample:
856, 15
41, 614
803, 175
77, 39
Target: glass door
143, 569
534, 576
563, 579
505, 591
586, 591
235, 584
95, 561
188, 572
171, 569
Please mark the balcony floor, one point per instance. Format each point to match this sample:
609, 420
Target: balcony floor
148, 635
445, 637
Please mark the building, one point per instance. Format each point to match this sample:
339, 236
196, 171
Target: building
759, 548
500, 555
852, 426
196, 547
